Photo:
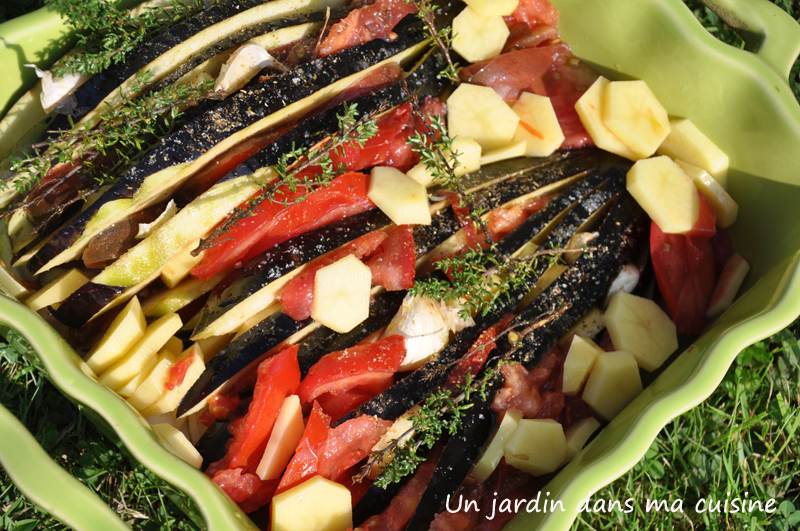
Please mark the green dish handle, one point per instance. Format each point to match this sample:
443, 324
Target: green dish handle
34, 472
767, 30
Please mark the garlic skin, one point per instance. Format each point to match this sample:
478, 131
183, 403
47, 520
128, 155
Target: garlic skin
146, 229
57, 91
421, 323
241, 67
626, 281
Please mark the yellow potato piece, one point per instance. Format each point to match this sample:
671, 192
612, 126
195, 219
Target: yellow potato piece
317, 504
57, 290
478, 37
400, 197
724, 206
686, 142
341, 294
494, 451
538, 125
578, 434
579, 362
480, 113
493, 8
641, 327
632, 112
511, 151
468, 154
666, 193
125, 330
613, 383
537, 446
589, 108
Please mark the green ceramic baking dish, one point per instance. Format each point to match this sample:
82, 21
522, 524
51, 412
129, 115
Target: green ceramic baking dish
740, 99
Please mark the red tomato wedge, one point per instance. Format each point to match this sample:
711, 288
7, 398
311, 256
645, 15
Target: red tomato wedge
248, 490
478, 354
392, 265
305, 462
362, 371
365, 24
298, 294
331, 452
534, 13
278, 377
686, 271
276, 222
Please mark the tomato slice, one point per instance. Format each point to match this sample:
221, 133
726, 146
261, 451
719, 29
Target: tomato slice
305, 462
278, 377
297, 295
392, 265
275, 222
363, 371
248, 490
365, 24
686, 272
534, 13
478, 354
349, 443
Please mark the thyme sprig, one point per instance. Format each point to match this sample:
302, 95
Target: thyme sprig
122, 134
352, 129
441, 37
106, 33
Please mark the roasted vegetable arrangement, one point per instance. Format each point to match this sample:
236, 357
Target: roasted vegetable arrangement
357, 259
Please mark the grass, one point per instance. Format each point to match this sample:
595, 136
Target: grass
743, 440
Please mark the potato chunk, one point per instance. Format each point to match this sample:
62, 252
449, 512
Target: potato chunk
401, 198
480, 113
155, 337
317, 504
57, 290
537, 446
666, 193
125, 330
493, 8
193, 357
341, 294
613, 383
580, 359
494, 451
632, 112
589, 108
469, 160
686, 142
478, 37
154, 386
578, 434
723, 204
511, 151
538, 125
641, 327
283, 440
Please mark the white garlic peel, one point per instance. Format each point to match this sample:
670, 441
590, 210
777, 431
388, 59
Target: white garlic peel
146, 229
423, 326
56, 89
241, 67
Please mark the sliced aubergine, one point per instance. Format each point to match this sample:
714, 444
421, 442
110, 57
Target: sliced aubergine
26, 120
245, 352
218, 137
410, 390
254, 287
165, 54
582, 285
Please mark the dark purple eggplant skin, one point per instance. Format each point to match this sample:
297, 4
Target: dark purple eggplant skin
91, 93
251, 346
582, 285
410, 390
523, 176
211, 122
